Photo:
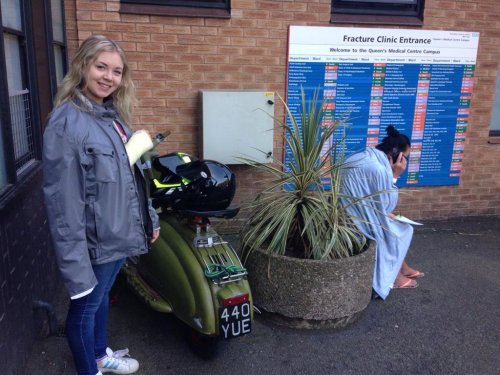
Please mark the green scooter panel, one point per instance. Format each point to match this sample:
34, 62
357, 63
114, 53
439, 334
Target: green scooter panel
161, 269
184, 285
219, 292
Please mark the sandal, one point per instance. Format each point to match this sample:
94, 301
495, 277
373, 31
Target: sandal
415, 275
408, 284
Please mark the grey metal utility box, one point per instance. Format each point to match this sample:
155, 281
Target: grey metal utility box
237, 123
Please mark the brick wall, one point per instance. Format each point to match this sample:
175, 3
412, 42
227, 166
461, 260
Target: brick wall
27, 273
175, 57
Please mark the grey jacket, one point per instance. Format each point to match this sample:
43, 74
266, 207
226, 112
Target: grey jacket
96, 204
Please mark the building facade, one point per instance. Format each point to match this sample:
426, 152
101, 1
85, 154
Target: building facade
32, 59
177, 51
177, 48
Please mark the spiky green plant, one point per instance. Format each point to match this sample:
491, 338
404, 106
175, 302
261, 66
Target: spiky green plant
295, 215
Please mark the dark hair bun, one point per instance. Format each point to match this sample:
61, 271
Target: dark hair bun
391, 131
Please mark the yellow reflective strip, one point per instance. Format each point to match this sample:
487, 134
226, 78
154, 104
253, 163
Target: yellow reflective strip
159, 185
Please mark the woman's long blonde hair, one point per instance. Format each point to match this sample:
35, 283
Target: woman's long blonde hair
123, 96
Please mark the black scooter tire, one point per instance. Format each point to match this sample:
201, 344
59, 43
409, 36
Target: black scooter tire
203, 346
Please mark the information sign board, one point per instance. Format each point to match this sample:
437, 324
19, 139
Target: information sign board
419, 81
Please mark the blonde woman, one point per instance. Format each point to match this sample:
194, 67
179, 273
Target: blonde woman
96, 202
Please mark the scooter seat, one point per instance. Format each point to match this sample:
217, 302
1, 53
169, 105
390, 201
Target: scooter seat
227, 213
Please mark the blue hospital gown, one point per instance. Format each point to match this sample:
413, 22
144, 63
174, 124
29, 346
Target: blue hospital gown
366, 173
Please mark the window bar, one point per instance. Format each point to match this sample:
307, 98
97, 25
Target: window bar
21, 129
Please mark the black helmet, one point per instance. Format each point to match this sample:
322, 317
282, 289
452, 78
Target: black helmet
186, 183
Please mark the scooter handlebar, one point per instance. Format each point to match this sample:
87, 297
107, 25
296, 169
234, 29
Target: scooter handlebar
148, 155
160, 137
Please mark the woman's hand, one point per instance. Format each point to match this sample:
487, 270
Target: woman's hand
398, 166
155, 235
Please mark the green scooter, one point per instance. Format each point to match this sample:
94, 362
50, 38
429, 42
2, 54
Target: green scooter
190, 270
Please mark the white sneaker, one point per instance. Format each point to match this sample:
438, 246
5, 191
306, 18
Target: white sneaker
118, 362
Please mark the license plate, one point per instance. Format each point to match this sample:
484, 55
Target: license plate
235, 320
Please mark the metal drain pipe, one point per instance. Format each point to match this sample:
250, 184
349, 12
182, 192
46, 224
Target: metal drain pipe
51, 315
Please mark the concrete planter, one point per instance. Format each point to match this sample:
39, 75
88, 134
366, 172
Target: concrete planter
304, 293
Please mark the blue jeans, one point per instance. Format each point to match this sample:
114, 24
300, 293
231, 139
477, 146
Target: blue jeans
87, 320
